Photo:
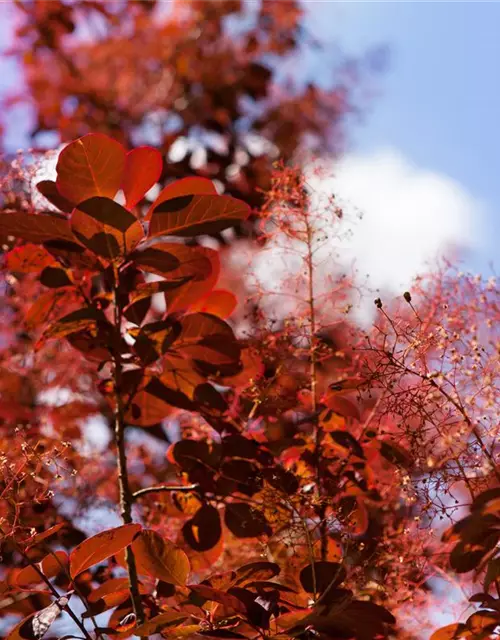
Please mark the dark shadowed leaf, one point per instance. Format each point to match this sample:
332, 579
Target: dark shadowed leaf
55, 277
257, 571
203, 531
48, 189
231, 603
346, 441
106, 228
245, 522
326, 574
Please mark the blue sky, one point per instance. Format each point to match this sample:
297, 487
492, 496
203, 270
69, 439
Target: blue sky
438, 104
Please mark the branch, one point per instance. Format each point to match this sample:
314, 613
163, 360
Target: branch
126, 498
165, 487
51, 587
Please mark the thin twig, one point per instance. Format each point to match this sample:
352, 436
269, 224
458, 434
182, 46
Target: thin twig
183, 488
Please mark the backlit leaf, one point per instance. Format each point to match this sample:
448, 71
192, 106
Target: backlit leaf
29, 258
206, 337
159, 622
50, 566
450, 632
194, 215
106, 228
35, 228
219, 302
184, 187
160, 558
101, 546
90, 166
142, 170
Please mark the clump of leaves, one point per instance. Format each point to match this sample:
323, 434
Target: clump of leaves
97, 257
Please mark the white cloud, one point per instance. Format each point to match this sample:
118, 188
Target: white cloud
399, 219
410, 216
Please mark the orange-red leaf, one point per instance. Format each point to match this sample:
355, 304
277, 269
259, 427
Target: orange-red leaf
193, 215
142, 169
50, 566
160, 558
46, 305
106, 228
219, 302
39, 537
36, 228
208, 338
101, 546
159, 622
29, 259
90, 166
450, 632
184, 187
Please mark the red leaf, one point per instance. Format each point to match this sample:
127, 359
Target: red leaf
142, 169
451, 631
160, 558
106, 228
29, 259
195, 215
46, 304
48, 189
341, 405
39, 537
101, 546
159, 622
219, 302
36, 228
90, 166
51, 565
184, 187
207, 338
230, 602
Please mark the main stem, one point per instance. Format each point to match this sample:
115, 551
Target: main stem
126, 498
313, 382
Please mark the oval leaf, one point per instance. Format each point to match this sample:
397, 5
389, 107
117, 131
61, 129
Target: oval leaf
160, 558
36, 228
195, 215
101, 546
184, 187
90, 166
142, 170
